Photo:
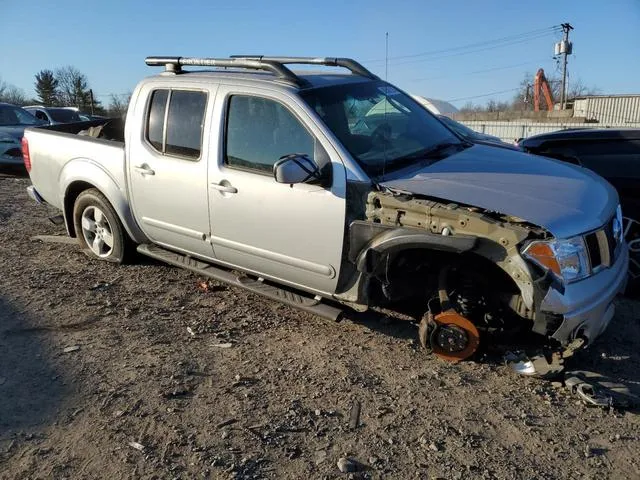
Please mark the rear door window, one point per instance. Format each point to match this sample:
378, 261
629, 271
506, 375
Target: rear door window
155, 119
184, 123
181, 134
40, 115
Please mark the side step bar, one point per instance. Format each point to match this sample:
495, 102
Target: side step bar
288, 297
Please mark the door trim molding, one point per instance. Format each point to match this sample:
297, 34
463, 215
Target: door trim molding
324, 270
152, 222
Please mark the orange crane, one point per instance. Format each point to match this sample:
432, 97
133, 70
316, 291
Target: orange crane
541, 82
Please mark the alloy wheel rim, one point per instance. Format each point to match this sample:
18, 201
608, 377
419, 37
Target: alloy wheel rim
97, 231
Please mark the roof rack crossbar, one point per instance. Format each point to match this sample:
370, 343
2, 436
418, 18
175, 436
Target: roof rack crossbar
174, 64
348, 63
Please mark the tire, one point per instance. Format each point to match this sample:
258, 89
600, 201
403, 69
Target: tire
98, 228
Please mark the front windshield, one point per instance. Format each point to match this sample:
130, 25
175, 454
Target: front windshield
383, 128
10, 115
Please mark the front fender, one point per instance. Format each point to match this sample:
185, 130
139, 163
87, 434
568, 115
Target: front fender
391, 240
369, 241
85, 171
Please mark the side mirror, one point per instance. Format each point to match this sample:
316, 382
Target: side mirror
296, 168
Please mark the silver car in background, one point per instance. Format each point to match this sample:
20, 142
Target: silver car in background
54, 115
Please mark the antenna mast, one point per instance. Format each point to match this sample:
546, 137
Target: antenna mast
386, 58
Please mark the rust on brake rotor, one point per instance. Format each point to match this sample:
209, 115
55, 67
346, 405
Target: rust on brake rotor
455, 337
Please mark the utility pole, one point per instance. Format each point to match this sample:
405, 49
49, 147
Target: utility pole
91, 99
565, 48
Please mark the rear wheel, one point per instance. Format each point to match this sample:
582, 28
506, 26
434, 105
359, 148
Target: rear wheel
98, 228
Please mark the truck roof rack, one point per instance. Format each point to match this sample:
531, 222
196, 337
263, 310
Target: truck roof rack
355, 67
275, 65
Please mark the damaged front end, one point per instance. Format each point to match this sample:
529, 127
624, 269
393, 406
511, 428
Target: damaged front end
468, 264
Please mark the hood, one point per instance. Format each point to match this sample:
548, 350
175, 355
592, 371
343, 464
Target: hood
15, 131
564, 199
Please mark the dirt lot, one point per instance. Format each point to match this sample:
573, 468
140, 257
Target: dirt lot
144, 397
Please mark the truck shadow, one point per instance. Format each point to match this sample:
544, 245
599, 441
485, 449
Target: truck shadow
390, 325
31, 389
14, 170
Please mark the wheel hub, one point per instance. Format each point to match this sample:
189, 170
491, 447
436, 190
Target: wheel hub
454, 338
451, 338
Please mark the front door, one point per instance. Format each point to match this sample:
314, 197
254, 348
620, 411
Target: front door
291, 233
168, 170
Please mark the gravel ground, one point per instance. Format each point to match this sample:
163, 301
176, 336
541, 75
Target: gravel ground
138, 372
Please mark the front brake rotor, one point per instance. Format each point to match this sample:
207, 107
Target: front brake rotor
455, 338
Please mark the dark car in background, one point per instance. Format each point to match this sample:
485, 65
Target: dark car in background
13, 121
613, 154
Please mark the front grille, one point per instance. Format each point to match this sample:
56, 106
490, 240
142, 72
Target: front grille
591, 239
602, 246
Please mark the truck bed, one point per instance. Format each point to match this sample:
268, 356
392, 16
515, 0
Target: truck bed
52, 147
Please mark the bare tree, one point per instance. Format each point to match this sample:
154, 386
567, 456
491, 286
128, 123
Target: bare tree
73, 87
579, 89
523, 99
496, 106
469, 107
118, 105
12, 94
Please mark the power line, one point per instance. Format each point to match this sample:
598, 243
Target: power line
520, 36
112, 94
533, 34
476, 72
483, 95
477, 50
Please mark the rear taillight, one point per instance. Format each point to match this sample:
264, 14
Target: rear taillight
25, 154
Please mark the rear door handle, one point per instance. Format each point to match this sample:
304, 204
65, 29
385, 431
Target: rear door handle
224, 188
144, 169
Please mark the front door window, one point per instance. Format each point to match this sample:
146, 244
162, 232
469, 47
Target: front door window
260, 131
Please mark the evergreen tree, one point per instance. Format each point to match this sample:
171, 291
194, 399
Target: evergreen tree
47, 87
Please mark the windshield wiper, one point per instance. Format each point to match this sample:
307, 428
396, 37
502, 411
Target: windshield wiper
429, 153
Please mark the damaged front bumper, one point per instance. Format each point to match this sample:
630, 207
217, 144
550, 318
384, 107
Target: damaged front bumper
587, 306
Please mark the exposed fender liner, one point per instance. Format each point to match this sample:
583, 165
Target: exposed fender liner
397, 239
87, 171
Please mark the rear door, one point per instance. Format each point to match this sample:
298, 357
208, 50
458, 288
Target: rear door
167, 168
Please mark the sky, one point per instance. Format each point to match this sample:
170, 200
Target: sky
457, 51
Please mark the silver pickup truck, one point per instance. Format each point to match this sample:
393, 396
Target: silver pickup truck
333, 190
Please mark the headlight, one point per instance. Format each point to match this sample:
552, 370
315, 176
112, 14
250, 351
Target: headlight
568, 259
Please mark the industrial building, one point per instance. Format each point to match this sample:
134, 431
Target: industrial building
608, 108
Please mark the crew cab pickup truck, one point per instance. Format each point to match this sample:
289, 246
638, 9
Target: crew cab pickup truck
337, 190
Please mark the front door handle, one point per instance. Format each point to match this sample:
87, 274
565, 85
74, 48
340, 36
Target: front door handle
224, 188
144, 169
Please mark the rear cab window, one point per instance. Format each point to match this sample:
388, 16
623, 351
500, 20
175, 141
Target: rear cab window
175, 122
